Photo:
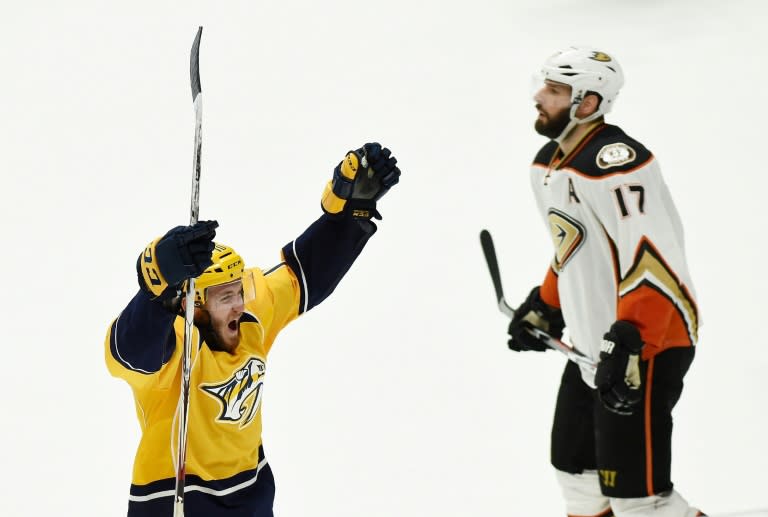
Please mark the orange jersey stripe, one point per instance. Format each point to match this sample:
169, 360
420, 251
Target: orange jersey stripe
595, 178
660, 323
648, 436
652, 297
548, 289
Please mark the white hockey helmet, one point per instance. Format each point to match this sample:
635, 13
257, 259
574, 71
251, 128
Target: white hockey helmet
586, 69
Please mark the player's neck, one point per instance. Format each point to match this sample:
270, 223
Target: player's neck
577, 135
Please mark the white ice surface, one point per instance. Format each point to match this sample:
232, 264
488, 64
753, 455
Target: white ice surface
397, 396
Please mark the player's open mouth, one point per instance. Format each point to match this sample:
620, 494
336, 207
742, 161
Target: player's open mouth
232, 325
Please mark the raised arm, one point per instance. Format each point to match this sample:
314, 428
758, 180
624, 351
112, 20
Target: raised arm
323, 254
141, 339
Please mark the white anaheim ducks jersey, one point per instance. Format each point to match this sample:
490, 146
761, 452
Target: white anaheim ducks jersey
618, 240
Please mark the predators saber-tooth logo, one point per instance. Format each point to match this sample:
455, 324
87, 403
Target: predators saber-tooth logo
240, 395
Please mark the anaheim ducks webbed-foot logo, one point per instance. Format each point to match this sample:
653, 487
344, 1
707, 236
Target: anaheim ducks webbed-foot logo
240, 395
600, 56
567, 235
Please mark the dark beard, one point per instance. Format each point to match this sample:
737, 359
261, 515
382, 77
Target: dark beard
209, 334
211, 337
555, 125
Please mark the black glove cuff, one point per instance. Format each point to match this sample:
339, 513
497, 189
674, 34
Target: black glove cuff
540, 306
173, 303
627, 336
362, 209
552, 315
341, 185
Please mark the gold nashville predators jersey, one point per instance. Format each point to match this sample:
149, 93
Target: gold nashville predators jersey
618, 242
225, 393
224, 457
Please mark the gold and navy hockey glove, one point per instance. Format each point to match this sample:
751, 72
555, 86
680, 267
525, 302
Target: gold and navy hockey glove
359, 181
184, 252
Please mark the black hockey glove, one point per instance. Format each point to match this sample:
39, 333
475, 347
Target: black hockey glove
184, 252
359, 181
618, 378
533, 312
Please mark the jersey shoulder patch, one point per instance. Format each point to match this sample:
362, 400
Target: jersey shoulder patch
614, 155
545, 154
609, 151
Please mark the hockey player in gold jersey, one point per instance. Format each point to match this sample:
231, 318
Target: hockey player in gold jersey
238, 313
619, 282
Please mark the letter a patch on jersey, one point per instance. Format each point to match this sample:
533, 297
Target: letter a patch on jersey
240, 395
567, 235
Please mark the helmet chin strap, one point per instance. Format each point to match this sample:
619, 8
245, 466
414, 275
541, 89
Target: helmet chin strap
576, 121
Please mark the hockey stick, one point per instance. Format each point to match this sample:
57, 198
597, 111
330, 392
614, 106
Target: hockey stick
486, 241
189, 312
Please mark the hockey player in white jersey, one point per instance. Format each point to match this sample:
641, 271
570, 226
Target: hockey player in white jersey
620, 284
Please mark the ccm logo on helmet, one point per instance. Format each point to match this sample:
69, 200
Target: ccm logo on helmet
234, 264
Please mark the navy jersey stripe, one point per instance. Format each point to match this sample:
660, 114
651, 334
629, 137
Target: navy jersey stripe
255, 500
293, 262
216, 487
142, 337
322, 255
275, 268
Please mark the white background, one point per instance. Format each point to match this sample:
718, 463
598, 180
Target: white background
398, 396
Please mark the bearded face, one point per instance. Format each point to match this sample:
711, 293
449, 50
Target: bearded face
552, 124
219, 318
553, 102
